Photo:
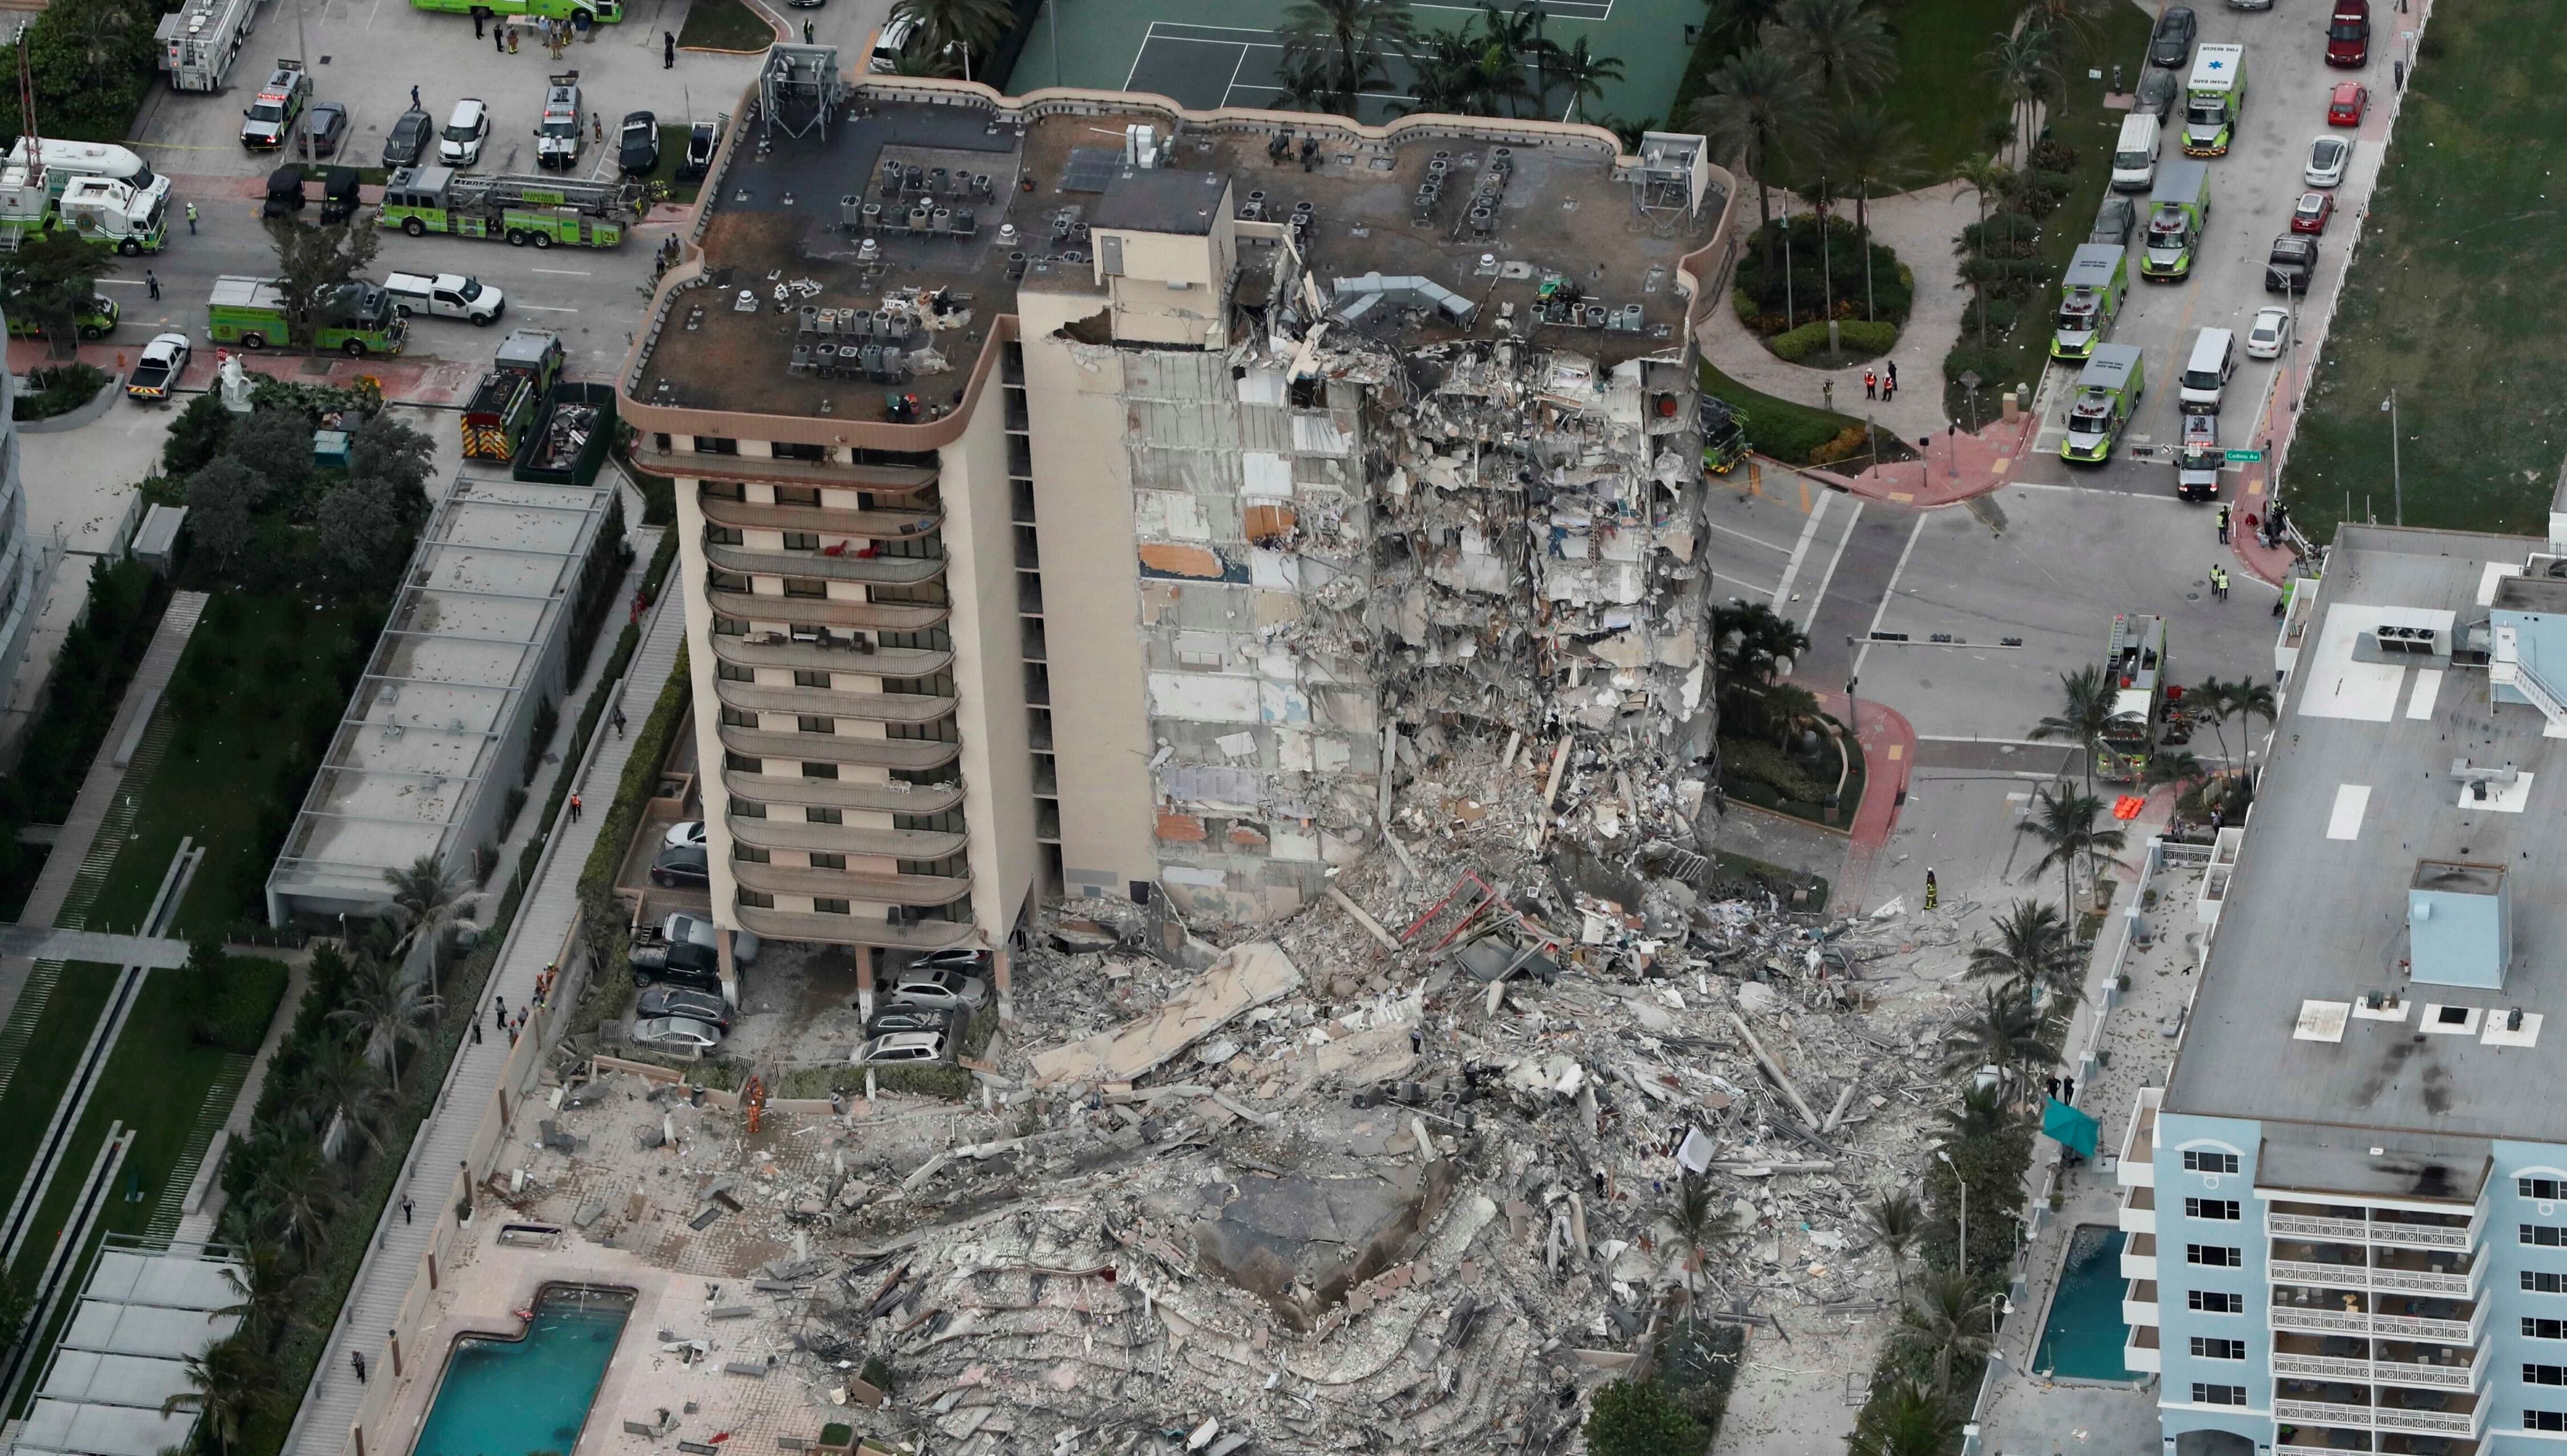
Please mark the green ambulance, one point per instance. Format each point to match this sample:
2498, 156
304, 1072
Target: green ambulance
2108, 393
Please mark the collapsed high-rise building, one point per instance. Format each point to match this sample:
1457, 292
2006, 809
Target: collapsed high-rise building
1083, 497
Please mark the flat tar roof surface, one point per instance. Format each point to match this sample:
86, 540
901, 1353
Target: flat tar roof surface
2360, 788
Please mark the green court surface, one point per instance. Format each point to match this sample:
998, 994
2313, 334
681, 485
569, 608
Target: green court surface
1225, 52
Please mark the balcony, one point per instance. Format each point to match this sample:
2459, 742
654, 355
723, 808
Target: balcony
2392, 1274
852, 930
2301, 1225
909, 707
2319, 1320
862, 885
744, 515
2433, 1415
2138, 1165
2411, 1373
2139, 1303
2140, 1257
2325, 1413
688, 465
826, 612
2138, 1210
2140, 1351
914, 754
833, 656
842, 794
820, 565
2291, 1215
803, 837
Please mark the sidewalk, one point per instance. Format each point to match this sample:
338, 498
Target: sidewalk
428, 383
545, 919
1889, 756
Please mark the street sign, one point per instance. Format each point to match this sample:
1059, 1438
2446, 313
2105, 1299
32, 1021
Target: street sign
2244, 456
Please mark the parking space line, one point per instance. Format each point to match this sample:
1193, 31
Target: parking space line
1800, 553
1889, 592
1826, 581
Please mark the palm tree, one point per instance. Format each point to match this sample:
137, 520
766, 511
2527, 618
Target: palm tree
1509, 41
1981, 174
426, 896
1952, 1319
272, 1291
1868, 144
388, 1011
2063, 821
1756, 103
2086, 714
346, 1084
1753, 641
1739, 20
2032, 948
972, 26
228, 1386
2024, 64
296, 1183
1349, 39
2002, 1030
2175, 768
1303, 80
1846, 42
2250, 700
1907, 1419
1982, 1112
1787, 710
1585, 73
1696, 1218
1894, 1220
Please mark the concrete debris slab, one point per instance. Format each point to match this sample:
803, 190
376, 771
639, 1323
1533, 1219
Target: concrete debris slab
1245, 977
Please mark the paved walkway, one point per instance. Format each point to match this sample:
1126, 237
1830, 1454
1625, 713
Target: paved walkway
45, 943
1889, 756
1921, 227
74, 846
544, 919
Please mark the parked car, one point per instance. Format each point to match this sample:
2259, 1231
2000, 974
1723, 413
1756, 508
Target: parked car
690, 967
940, 988
2170, 45
2157, 89
2311, 214
2291, 264
907, 1018
446, 296
2347, 103
956, 957
2328, 158
681, 865
327, 124
2115, 219
268, 121
700, 153
680, 1001
637, 144
685, 832
409, 138
466, 128
2269, 334
676, 1033
897, 1047
156, 373
695, 929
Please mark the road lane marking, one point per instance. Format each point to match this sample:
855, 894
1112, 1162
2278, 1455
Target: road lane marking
1888, 590
537, 308
561, 272
1744, 537
1829, 579
1799, 552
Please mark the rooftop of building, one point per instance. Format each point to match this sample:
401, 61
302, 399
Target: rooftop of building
466, 636
2366, 784
788, 229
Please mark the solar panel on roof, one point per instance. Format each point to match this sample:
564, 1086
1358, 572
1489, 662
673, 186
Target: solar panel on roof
1090, 168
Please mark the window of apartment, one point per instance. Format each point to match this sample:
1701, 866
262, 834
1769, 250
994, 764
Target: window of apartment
2218, 1394
2215, 1302
798, 494
824, 816
2547, 1190
812, 723
819, 770
722, 536
2198, 1160
723, 489
824, 861
747, 808
801, 541
2544, 1374
2223, 1209
739, 718
660, 441
2210, 1347
716, 444
805, 586
2543, 1329
832, 907
787, 449
742, 763
2213, 1255
809, 679
735, 673
2545, 1236
2544, 1421
2544, 1284
751, 853
755, 899
727, 581
730, 627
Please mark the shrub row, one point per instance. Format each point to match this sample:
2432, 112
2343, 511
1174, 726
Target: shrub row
1854, 336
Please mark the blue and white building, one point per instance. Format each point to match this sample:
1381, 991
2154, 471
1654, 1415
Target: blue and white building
2346, 1207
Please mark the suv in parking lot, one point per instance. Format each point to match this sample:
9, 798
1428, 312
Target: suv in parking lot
269, 120
558, 140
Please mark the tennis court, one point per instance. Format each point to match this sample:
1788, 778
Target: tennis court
1217, 53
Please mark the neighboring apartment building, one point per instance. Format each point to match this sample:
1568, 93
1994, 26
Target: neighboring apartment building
2346, 1210
22, 562
1081, 496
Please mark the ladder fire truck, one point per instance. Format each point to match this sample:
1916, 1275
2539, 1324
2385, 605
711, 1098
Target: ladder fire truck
523, 209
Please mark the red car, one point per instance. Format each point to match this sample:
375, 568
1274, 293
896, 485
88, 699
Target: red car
2349, 32
2312, 214
2346, 103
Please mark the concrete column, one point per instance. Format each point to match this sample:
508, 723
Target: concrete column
726, 967
393, 1343
865, 979
1001, 975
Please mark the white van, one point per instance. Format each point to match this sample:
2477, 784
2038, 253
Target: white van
446, 296
2134, 157
2214, 359
888, 43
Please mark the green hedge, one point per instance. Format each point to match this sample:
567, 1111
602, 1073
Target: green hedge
58, 391
599, 911
1782, 430
1854, 336
229, 1007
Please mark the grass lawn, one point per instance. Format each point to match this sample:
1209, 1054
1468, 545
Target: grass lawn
2453, 298
61, 1033
1787, 432
725, 25
225, 768
2082, 121
673, 154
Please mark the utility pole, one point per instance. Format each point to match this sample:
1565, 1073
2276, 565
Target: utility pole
2397, 476
302, 62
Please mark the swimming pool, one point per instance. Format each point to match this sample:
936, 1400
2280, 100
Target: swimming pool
514, 1395
2085, 1334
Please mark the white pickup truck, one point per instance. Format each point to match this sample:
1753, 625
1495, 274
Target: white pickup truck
446, 296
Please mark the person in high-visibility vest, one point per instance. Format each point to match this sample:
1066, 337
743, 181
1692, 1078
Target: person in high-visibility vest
2223, 525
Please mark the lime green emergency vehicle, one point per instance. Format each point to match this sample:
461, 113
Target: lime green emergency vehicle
522, 209
2090, 298
602, 11
2108, 391
356, 318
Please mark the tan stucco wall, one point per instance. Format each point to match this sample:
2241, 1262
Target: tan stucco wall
1091, 598
989, 673
708, 715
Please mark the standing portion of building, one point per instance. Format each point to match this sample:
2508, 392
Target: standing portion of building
1086, 496
2346, 1210
22, 563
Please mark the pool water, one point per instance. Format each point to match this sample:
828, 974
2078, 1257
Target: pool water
515, 1397
2085, 1334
